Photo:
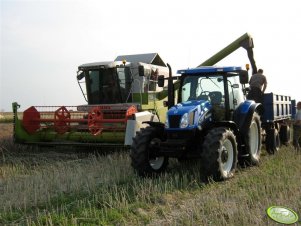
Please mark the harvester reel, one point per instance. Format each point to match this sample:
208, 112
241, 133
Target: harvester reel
31, 120
94, 121
62, 120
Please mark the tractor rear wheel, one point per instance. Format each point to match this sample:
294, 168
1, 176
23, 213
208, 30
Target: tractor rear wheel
272, 141
144, 160
219, 154
253, 140
285, 134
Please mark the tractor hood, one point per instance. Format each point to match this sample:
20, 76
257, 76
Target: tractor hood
187, 115
187, 107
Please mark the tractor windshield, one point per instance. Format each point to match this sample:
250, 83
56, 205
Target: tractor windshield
108, 85
203, 88
212, 88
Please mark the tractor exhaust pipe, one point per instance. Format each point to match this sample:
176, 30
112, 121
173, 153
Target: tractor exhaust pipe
171, 94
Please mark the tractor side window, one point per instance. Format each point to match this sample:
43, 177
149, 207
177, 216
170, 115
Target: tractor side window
235, 94
186, 90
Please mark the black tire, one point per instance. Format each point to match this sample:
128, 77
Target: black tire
252, 138
219, 155
285, 134
144, 162
272, 141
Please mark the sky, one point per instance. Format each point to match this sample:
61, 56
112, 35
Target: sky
42, 42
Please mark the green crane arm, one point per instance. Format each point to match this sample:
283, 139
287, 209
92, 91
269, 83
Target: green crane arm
244, 41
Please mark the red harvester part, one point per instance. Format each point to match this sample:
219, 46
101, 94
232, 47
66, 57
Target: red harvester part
130, 111
31, 120
95, 117
62, 120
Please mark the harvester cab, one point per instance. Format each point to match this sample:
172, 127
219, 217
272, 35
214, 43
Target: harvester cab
128, 79
120, 95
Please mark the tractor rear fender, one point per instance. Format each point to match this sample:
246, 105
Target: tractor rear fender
135, 124
244, 113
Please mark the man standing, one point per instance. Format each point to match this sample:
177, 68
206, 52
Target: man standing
297, 127
258, 84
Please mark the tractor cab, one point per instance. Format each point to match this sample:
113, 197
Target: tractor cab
207, 94
219, 86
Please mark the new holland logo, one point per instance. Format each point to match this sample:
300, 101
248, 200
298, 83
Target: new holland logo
282, 214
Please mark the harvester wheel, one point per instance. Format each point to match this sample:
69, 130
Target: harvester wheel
219, 154
143, 149
253, 141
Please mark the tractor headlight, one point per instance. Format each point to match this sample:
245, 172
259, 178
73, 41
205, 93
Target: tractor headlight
166, 122
184, 121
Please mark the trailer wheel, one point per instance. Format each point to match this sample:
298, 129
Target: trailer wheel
272, 141
219, 154
253, 141
144, 161
285, 134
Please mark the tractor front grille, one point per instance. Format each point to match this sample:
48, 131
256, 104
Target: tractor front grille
174, 121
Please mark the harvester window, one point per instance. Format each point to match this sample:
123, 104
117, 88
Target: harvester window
151, 77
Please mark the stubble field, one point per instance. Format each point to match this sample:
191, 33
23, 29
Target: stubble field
67, 186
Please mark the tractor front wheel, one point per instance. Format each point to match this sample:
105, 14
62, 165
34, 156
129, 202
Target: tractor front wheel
219, 154
143, 152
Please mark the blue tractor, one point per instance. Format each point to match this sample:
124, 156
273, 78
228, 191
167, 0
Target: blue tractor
212, 121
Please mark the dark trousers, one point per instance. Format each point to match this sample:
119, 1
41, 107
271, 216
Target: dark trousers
296, 136
255, 94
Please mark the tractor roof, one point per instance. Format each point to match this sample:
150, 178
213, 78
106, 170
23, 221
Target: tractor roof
209, 69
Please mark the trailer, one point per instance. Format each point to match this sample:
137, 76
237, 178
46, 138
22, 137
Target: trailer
278, 112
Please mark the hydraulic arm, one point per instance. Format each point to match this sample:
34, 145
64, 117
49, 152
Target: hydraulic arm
244, 41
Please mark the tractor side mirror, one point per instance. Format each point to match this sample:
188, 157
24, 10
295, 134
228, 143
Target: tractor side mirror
243, 77
141, 70
161, 80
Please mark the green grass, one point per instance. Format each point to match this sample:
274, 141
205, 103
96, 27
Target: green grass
67, 187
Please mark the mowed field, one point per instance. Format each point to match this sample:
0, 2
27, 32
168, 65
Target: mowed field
67, 186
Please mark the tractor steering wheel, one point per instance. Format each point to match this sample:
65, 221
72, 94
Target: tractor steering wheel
205, 93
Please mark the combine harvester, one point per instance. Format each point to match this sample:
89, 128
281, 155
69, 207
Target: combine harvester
120, 96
